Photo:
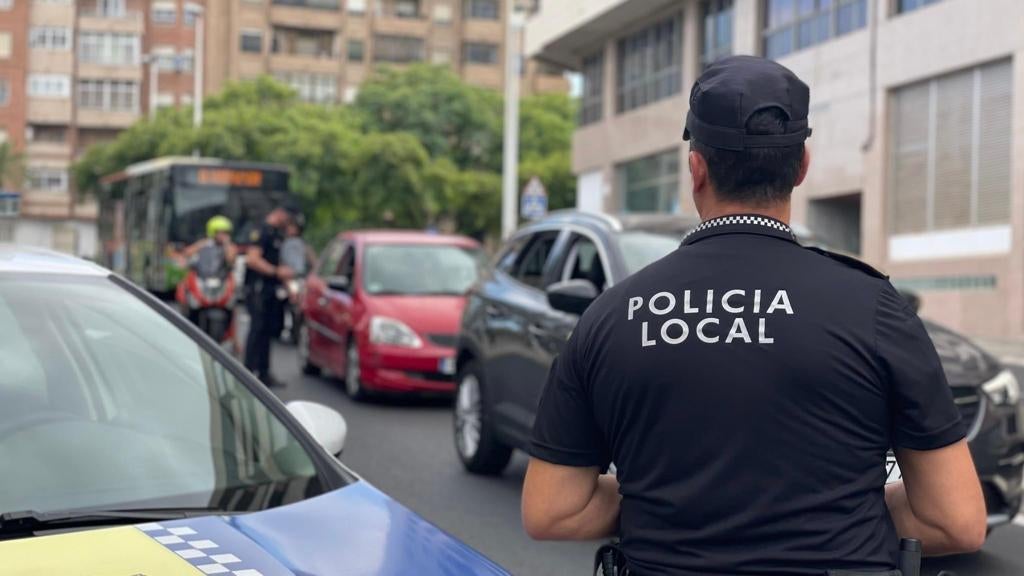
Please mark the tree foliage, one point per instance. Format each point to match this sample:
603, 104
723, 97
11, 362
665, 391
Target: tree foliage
418, 148
12, 166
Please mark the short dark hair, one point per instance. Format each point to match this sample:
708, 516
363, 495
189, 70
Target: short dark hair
755, 176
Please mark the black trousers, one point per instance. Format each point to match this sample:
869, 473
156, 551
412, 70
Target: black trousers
257, 343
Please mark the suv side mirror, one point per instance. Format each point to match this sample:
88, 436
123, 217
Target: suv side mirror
572, 296
339, 283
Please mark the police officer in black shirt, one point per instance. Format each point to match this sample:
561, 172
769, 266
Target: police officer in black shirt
263, 275
747, 388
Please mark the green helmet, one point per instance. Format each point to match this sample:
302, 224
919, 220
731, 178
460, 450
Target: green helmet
218, 224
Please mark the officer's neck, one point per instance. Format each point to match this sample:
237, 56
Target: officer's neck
777, 210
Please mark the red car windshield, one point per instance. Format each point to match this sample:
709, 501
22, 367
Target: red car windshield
419, 269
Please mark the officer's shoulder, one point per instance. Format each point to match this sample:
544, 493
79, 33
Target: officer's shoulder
848, 261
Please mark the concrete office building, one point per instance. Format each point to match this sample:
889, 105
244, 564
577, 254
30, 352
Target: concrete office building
918, 115
326, 48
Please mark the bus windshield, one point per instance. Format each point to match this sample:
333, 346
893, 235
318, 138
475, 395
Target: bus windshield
194, 205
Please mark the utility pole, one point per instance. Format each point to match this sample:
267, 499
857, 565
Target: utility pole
197, 70
154, 78
514, 22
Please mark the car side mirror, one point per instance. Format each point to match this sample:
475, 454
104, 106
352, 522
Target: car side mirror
339, 283
572, 296
912, 298
326, 425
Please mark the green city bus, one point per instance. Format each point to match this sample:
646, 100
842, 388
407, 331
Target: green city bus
151, 210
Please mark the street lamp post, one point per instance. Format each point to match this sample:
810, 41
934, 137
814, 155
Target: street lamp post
510, 161
197, 70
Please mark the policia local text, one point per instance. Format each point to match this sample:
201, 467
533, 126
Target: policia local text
696, 308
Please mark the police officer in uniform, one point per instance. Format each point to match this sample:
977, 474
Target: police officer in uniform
746, 388
263, 275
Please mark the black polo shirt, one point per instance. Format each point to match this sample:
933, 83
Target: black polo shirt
269, 240
747, 389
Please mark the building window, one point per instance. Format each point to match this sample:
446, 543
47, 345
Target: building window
108, 95
6, 4
651, 184
108, 48
792, 25
951, 144
192, 13
315, 88
480, 53
398, 49
303, 42
48, 134
49, 85
320, 4
5, 91
110, 8
592, 98
45, 179
908, 5
356, 50
252, 41
164, 13
357, 6
650, 65
49, 38
442, 14
5, 45
717, 33
441, 55
481, 9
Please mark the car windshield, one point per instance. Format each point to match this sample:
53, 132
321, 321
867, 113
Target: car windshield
419, 269
642, 248
104, 403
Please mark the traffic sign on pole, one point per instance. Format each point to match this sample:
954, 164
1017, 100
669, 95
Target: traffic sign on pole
533, 204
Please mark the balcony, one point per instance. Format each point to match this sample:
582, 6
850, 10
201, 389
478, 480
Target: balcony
49, 110
99, 118
404, 9
301, 17
305, 45
98, 20
315, 4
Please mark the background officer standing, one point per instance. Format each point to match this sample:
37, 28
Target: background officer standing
748, 388
263, 274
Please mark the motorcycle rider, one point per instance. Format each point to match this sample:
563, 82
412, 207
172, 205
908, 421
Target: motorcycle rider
218, 236
748, 388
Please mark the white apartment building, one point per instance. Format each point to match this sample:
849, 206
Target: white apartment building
917, 109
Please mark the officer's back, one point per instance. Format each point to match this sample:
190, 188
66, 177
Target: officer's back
748, 388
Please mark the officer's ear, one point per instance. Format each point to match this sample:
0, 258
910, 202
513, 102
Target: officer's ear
805, 164
698, 172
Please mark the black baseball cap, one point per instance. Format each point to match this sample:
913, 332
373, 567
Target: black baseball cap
732, 89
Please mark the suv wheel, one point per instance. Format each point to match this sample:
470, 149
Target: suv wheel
475, 440
353, 374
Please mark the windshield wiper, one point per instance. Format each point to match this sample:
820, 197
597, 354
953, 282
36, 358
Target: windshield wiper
26, 522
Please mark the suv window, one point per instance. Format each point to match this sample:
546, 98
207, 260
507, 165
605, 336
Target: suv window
507, 260
584, 262
530, 266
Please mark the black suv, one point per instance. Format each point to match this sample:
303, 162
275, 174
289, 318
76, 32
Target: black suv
522, 311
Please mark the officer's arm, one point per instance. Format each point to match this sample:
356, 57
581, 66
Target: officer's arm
254, 260
939, 501
569, 503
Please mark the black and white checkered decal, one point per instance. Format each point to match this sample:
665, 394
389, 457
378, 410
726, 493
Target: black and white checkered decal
212, 547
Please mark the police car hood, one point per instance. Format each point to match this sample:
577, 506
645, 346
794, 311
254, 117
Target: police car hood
964, 362
356, 530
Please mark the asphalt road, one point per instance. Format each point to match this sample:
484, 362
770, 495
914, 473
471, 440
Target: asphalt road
405, 449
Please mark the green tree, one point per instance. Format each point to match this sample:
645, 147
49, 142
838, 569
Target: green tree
12, 166
545, 139
450, 118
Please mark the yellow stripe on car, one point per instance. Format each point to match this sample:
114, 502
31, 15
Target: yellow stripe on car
121, 551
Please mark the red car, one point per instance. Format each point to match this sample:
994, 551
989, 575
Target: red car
383, 310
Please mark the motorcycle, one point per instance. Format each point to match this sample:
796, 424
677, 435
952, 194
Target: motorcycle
207, 294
